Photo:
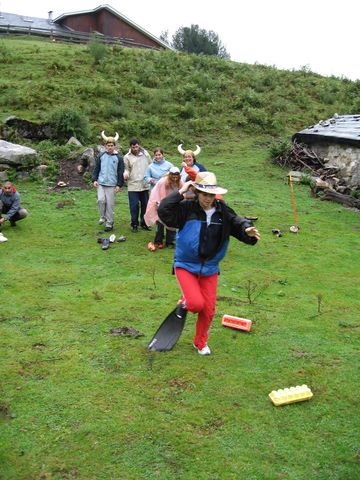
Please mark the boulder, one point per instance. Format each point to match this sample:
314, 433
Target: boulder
27, 129
16, 155
41, 170
73, 141
3, 177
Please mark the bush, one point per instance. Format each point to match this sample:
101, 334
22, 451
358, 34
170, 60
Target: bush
67, 122
97, 49
280, 149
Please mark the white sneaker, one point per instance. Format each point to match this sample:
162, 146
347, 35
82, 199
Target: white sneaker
204, 351
2, 238
112, 238
102, 220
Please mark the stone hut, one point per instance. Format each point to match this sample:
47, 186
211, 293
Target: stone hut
337, 141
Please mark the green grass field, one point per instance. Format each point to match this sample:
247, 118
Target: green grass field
79, 403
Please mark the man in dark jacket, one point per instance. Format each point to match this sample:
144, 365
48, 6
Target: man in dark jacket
10, 209
108, 178
204, 227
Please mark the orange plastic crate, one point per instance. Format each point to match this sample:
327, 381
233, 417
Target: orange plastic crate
236, 322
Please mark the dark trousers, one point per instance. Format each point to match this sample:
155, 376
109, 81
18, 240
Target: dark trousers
19, 215
159, 236
136, 199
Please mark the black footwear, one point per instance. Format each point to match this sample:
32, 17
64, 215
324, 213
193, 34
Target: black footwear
145, 227
12, 223
180, 311
105, 244
108, 228
170, 245
134, 229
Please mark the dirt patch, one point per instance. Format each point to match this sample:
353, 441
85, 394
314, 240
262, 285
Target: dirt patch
126, 332
69, 176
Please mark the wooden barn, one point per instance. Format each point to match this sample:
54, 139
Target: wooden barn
110, 26
105, 20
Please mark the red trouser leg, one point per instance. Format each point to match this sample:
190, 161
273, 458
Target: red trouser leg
199, 294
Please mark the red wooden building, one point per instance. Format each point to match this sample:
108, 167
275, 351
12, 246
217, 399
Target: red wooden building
105, 20
110, 25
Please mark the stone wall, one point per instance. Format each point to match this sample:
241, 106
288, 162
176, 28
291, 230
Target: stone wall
344, 157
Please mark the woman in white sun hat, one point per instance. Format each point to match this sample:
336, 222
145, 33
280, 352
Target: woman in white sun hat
204, 227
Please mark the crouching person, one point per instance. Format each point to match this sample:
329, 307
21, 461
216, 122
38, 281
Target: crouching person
10, 209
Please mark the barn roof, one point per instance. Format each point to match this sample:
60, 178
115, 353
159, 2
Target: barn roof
338, 129
24, 21
119, 15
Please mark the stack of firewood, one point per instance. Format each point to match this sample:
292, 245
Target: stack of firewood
327, 182
300, 157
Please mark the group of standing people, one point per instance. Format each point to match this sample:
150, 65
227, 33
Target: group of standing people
185, 204
148, 179
188, 205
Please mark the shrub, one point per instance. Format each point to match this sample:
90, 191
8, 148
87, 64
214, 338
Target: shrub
67, 122
280, 149
97, 49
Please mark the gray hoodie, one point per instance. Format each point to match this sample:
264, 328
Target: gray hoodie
10, 203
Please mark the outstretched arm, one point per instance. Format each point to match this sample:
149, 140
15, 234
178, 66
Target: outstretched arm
252, 232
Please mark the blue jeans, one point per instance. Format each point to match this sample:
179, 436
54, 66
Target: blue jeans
135, 199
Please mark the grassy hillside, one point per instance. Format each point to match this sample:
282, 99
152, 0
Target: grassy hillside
165, 97
77, 403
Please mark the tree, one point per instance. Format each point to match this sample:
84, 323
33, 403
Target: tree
165, 36
197, 40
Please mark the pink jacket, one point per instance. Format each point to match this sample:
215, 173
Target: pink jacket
160, 191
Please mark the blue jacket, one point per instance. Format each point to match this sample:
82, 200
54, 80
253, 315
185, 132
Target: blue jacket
109, 170
156, 170
201, 247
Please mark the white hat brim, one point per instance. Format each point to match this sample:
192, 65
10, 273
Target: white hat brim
212, 190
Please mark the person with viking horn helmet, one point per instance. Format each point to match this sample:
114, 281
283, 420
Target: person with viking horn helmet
136, 162
189, 160
108, 178
204, 225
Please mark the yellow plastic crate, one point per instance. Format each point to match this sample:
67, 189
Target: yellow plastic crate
290, 395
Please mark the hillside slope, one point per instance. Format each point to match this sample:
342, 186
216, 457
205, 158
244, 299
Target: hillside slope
165, 97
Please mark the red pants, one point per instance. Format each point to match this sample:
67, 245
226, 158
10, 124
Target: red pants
199, 296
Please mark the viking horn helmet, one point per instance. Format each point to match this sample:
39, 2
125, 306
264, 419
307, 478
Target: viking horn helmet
110, 139
181, 151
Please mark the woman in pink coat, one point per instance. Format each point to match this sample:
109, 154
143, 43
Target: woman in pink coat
170, 182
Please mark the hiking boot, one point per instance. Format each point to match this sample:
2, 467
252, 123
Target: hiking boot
121, 238
102, 220
276, 232
112, 238
180, 311
134, 229
108, 228
151, 247
145, 227
105, 244
203, 351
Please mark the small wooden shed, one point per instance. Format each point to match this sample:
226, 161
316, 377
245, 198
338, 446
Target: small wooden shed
337, 141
